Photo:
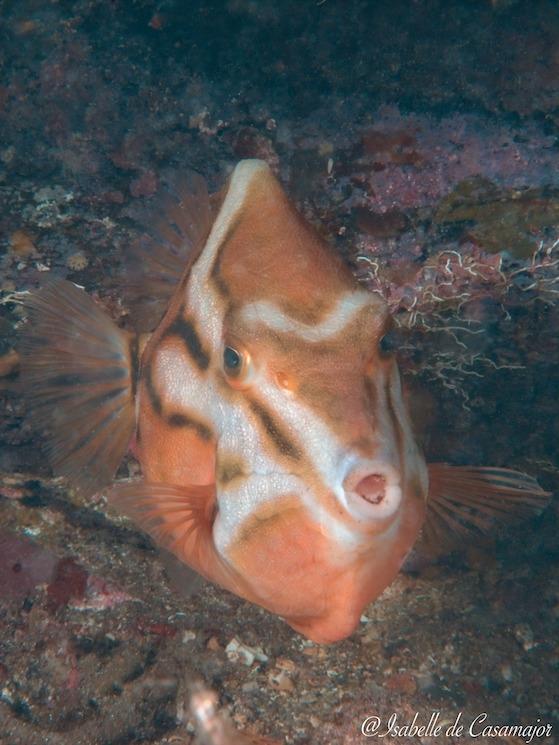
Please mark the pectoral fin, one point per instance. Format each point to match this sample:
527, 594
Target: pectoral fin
466, 501
178, 518
77, 375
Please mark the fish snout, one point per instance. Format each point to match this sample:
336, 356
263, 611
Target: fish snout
373, 491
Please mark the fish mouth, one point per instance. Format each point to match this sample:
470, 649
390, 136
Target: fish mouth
373, 492
372, 488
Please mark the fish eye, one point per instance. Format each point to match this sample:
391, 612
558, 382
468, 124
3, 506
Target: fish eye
237, 366
232, 362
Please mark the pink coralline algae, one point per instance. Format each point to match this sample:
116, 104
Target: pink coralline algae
455, 222
69, 581
24, 565
412, 161
453, 211
100, 595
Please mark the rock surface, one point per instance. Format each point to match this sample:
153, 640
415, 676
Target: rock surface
421, 138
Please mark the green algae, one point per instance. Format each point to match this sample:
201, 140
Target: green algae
499, 219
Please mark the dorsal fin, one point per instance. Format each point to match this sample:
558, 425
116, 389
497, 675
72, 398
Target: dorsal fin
261, 248
175, 227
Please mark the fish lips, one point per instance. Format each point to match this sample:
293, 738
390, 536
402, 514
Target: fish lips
373, 494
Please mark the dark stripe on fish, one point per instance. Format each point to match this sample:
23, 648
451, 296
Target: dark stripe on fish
228, 470
275, 433
372, 395
215, 273
394, 421
184, 329
96, 432
183, 420
45, 402
108, 375
134, 364
174, 419
153, 395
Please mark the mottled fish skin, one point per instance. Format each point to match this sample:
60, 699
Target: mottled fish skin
316, 410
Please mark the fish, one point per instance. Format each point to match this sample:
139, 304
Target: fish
261, 397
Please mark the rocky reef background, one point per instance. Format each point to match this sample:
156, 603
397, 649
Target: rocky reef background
421, 136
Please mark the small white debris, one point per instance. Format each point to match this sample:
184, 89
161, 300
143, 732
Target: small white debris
251, 687
506, 672
188, 636
6, 696
236, 651
279, 680
32, 531
7, 155
525, 636
106, 222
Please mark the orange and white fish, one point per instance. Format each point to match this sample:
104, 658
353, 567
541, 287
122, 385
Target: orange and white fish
276, 448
